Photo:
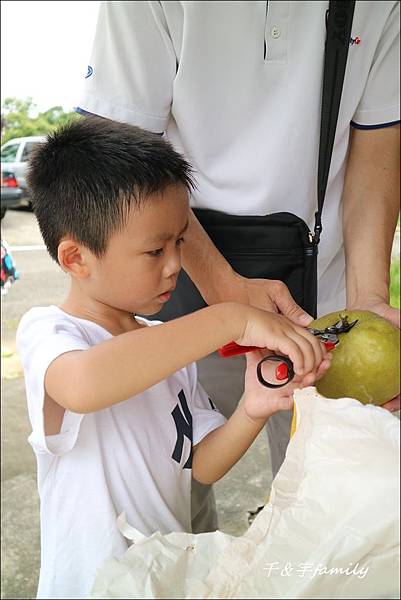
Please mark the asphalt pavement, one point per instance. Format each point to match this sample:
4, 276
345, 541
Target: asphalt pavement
42, 283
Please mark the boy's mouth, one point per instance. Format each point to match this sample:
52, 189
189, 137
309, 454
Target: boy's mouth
165, 296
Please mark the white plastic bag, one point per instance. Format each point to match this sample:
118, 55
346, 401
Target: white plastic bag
330, 529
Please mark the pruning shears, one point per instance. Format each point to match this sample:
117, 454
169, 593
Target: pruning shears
285, 368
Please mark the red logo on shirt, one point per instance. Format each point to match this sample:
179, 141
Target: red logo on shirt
353, 41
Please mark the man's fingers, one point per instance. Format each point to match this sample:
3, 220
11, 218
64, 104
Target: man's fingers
392, 405
287, 305
388, 312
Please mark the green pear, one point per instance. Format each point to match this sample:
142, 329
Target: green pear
366, 361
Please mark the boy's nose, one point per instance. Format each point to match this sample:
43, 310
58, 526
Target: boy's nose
172, 266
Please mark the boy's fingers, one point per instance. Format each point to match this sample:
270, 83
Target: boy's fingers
308, 351
323, 367
318, 346
292, 349
301, 350
309, 379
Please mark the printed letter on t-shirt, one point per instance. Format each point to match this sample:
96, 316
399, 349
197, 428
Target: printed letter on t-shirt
183, 423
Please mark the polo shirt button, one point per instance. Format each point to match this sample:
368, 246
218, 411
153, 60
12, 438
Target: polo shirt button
275, 31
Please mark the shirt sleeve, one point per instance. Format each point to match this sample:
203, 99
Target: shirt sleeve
380, 105
132, 67
206, 416
39, 342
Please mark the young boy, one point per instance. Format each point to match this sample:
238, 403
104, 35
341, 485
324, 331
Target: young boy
118, 417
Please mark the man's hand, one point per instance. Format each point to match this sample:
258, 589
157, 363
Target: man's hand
267, 294
386, 311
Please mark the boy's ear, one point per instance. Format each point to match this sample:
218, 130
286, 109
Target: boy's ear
72, 259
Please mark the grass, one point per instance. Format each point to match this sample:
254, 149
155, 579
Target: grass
395, 283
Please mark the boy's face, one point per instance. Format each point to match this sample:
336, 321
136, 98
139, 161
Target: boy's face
140, 267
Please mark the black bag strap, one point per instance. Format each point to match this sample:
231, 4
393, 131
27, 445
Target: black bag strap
338, 38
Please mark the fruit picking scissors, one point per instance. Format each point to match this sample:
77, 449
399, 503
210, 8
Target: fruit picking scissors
285, 369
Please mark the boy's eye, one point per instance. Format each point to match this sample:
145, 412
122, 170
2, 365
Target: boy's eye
157, 252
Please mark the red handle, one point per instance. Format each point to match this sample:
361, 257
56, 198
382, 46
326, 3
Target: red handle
232, 349
282, 372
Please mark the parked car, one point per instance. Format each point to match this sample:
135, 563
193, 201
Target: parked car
14, 158
11, 194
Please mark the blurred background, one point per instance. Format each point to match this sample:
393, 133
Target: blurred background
45, 52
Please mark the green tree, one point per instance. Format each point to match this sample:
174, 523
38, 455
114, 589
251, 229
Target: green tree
20, 118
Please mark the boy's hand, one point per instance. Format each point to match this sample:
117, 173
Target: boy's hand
276, 332
259, 402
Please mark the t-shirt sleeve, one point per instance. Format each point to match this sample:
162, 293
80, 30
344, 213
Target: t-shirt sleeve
40, 340
132, 67
380, 103
206, 416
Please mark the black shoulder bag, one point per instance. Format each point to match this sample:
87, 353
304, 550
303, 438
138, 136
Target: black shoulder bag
280, 245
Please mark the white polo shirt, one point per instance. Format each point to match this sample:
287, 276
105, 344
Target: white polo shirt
236, 86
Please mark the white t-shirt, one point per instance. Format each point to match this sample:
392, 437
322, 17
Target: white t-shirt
134, 456
248, 122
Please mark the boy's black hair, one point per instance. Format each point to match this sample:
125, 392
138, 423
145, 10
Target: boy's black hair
89, 172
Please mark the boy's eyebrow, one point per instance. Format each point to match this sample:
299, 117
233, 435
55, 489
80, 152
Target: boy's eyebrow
165, 237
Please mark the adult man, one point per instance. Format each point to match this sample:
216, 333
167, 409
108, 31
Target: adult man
236, 87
